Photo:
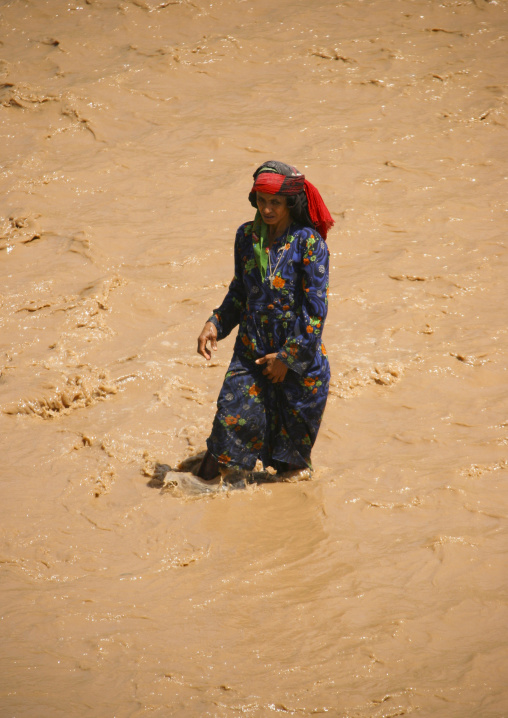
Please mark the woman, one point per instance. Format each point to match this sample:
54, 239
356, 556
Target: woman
275, 390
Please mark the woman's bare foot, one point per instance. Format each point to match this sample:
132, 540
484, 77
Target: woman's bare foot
295, 474
234, 474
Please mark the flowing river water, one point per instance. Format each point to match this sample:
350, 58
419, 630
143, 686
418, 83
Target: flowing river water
129, 133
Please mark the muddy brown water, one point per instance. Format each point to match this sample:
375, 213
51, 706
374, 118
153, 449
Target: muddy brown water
129, 133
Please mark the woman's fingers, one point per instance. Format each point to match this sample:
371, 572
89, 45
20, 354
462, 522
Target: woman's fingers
275, 369
209, 334
279, 374
202, 348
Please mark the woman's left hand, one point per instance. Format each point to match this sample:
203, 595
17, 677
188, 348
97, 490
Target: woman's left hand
275, 369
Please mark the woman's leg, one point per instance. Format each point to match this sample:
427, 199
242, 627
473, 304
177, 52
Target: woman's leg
209, 468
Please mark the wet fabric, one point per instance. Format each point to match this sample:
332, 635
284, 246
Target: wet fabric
284, 313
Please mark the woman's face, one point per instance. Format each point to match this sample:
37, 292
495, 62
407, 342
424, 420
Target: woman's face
273, 209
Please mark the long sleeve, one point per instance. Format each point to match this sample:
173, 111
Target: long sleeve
228, 315
300, 349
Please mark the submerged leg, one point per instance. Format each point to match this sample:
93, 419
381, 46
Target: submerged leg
209, 468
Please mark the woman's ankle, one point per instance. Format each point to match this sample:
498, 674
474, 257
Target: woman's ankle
209, 468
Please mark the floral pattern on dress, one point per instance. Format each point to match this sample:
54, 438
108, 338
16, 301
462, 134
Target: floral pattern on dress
256, 419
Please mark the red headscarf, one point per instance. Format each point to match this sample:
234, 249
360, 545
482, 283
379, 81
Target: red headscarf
271, 182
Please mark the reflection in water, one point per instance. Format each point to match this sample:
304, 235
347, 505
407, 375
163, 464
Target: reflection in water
130, 130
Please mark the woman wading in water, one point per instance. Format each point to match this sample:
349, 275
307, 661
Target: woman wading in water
275, 390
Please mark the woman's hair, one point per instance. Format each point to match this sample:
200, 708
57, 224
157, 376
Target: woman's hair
297, 203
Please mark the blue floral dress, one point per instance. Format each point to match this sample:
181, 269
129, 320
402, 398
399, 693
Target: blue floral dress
256, 419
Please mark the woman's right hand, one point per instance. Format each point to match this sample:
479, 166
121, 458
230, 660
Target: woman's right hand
209, 334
